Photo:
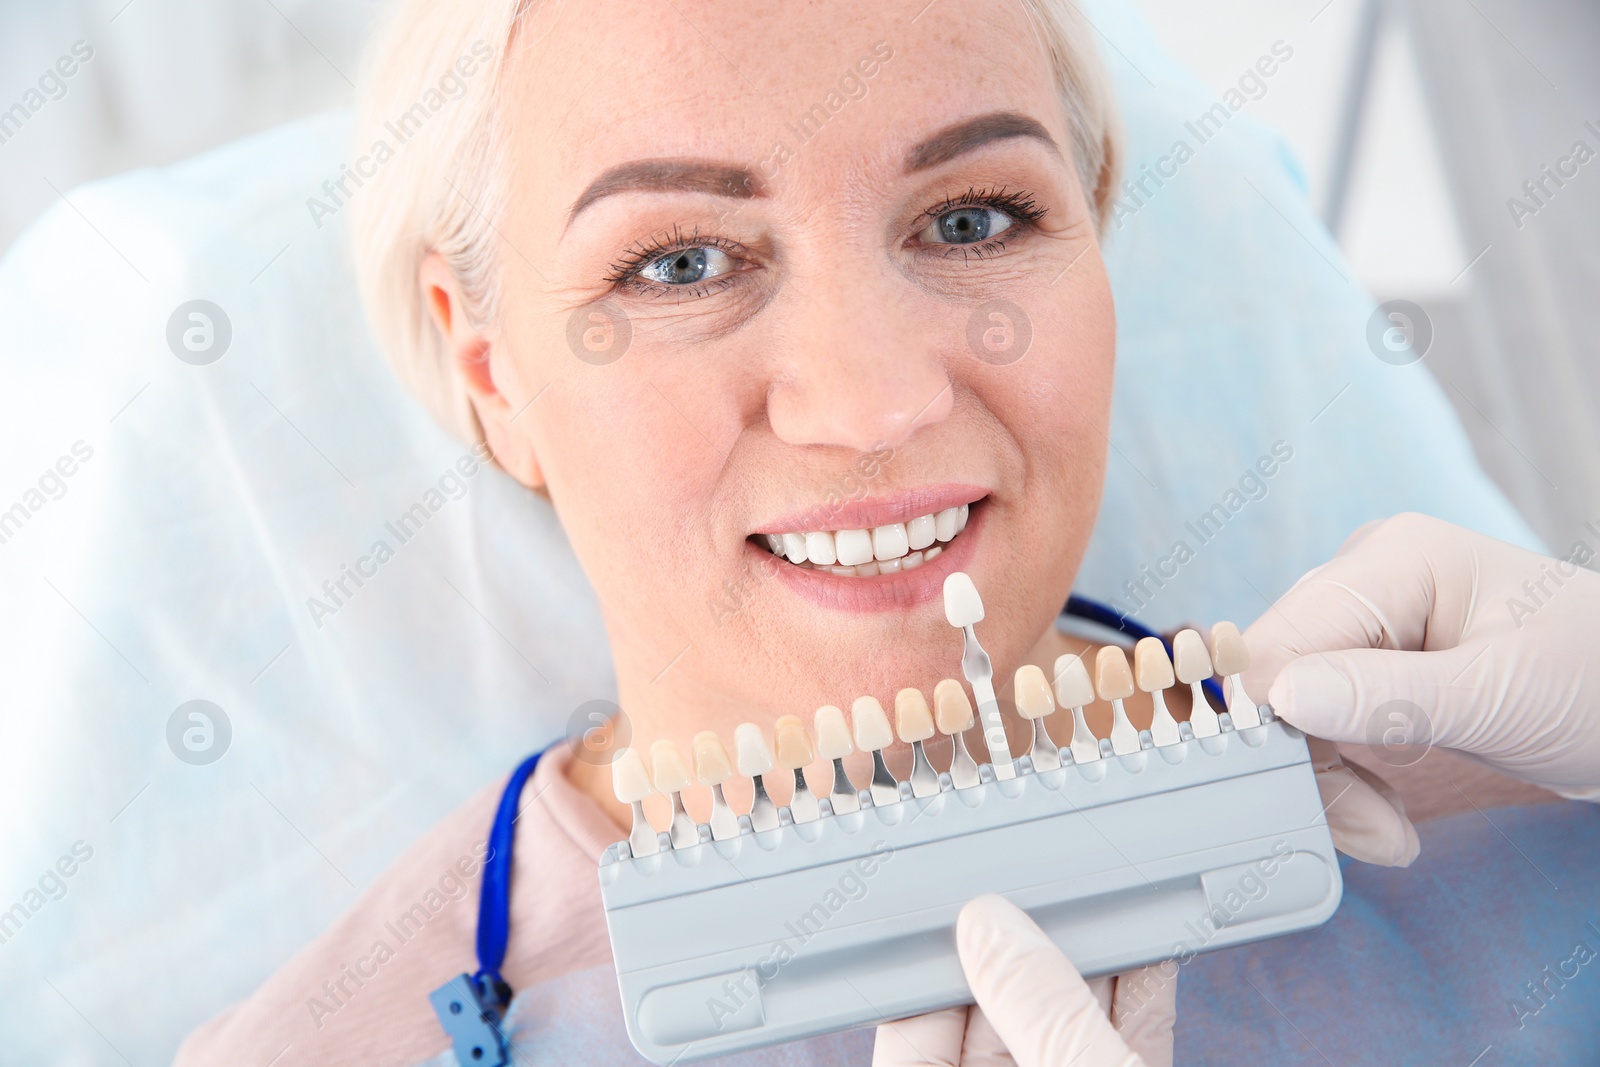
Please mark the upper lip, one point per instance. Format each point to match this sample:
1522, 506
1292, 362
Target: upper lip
870, 512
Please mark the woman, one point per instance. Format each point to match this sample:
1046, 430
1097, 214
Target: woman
709, 275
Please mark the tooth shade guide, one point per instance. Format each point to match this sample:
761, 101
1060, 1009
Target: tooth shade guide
1191, 663
1231, 658
953, 715
667, 770
1152, 673
832, 733
674, 926
963, 606
1152, 670
1205, 834
711, 763
1202, 716
1098, 713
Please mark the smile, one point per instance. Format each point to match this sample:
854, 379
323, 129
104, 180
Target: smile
888, 549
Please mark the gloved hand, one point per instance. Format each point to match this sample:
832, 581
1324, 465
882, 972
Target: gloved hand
1034, 1009
1366, 817
1422, 632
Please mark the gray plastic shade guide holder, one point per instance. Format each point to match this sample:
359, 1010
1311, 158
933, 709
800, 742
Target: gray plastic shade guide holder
848, 921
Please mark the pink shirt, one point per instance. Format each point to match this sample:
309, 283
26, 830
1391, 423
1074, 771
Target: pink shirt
358, 993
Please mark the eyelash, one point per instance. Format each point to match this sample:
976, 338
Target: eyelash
1020, 207
625, 271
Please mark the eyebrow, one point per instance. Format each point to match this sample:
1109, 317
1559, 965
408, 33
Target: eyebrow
738, 183
670, 176
972, 134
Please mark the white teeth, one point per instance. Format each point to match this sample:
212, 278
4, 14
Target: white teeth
889, 542
865, 553
853, 547
819, 548
794, 546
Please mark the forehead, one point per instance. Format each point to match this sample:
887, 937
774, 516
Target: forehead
597, 82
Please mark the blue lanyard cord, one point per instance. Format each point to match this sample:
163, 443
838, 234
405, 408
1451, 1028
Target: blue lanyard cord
494, 904
1083, 608
472, 1008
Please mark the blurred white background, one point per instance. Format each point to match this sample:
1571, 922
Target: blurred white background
1463, 100
170, 78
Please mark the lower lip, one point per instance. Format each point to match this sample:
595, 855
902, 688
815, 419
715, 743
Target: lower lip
883, 592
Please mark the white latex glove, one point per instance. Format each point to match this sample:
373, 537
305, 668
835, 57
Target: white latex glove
1034, 1009
1366, 817
1422, 632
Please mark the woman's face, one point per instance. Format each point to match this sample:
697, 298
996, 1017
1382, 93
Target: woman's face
798, 268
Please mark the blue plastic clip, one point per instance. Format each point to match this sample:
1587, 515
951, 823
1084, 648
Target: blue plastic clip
471, 1011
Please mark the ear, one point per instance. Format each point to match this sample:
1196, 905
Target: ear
483, 370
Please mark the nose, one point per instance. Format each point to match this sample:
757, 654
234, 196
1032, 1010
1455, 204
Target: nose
864, 366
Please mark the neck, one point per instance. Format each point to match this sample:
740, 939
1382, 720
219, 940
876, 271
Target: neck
660, 706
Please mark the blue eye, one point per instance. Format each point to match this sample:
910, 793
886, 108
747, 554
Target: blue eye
965, 226
687, 266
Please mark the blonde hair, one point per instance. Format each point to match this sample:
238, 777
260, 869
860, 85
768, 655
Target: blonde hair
440, 189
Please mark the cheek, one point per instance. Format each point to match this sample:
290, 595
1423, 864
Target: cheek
1058, 402
633, 452
621, 462
1058, 409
